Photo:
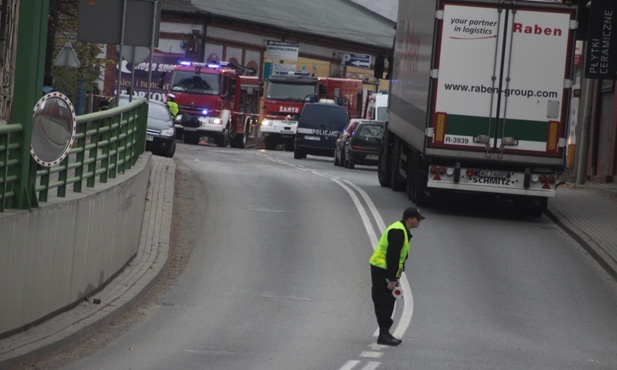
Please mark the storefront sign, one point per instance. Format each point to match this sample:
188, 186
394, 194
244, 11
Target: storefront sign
601, 56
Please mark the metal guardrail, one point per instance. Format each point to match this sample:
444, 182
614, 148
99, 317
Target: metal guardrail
106, 144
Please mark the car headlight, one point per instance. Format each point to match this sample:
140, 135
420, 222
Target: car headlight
266, 122
167, 132
217, 121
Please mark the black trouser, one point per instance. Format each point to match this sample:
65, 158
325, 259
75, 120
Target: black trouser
382, 298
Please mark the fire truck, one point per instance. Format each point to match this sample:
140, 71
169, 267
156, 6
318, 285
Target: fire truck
286, 94
351, 90
215, 101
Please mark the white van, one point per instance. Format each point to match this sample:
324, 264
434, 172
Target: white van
377, 108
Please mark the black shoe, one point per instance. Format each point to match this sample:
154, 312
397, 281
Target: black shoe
392, 337
388, 340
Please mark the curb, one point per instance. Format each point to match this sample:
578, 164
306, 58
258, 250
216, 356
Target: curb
596, 253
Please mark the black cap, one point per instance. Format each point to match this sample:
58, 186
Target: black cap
412, 212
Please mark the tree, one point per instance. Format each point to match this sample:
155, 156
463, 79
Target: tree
62, 28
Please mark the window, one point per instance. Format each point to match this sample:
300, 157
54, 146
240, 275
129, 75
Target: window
337, 117
200, 83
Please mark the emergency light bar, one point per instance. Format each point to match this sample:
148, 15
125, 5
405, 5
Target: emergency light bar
197, 64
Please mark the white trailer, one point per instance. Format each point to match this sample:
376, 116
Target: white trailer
479, 99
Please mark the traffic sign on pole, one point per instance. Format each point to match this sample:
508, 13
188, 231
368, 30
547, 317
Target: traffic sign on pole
357, 60
67, 57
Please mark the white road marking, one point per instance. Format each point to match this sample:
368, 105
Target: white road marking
265, 210
349, 365
407, 314
371, 354
372, 365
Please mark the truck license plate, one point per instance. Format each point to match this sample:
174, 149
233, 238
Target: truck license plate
371, 156
493, 174
149, 137
315, 138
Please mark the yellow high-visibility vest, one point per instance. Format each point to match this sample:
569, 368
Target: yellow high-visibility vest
173, 108
378, 258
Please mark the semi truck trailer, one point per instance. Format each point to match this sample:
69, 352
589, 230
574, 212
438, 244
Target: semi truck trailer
478, 99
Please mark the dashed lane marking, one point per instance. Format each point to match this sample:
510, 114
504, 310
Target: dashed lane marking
405, 319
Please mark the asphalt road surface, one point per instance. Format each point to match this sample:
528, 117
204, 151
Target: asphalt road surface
270, 271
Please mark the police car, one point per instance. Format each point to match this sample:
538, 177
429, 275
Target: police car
319, 125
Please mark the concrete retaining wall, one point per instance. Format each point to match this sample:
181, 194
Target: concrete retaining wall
54, 256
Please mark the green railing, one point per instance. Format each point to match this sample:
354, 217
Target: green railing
106, 144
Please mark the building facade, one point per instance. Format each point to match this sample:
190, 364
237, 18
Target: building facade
8, 51
188, 33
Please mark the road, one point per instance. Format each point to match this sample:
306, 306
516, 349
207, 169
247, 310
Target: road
271, 272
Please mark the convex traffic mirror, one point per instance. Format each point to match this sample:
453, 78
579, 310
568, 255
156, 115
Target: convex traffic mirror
53, 129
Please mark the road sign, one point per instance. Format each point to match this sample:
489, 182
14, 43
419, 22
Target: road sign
282, 50
357, 60
102, 22
67, 57
134, 54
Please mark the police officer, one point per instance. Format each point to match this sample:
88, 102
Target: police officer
173, 106
106, 103
387, 264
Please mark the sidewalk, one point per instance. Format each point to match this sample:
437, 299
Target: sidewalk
116, 297
588, 213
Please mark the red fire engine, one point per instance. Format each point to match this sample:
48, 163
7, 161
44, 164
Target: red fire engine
286, 94
347, 88
215, 101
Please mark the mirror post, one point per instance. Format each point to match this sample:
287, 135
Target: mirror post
30, 64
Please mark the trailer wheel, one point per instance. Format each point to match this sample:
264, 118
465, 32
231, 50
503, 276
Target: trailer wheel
383, 169
397, 181
417, 179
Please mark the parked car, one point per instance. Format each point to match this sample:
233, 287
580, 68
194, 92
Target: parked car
319, 125
160, 133
363, 144
339, 155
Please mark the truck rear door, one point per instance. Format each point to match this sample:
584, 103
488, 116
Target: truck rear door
500, 78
